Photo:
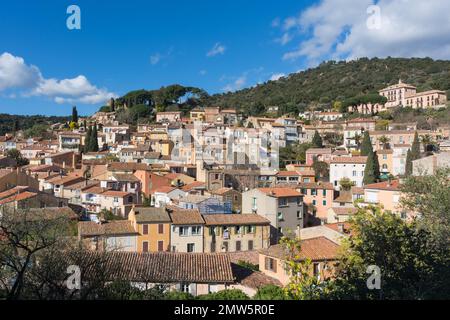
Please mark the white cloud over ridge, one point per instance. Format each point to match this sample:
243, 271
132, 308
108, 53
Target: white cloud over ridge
344, 29
17, 76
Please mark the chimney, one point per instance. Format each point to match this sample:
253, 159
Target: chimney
340, 227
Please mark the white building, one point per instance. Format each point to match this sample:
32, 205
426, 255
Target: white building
347, 167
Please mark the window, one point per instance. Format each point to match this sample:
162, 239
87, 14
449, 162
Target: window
196, 230
314, 192
280, 216
116, 199
384, 156
254, 205
250, 245
299, 216
354, 173
324, 202
160, 245
316, 270
324, 192
238, 246
225, 246
314, 202
238, 229
145, 229
270, 264
251, 229
145, 246
160, 228
282, 202
191, 247
184, 231
185, 287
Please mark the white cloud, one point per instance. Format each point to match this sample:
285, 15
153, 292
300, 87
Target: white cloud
237, 84
338, 29
154, 59
277, 76
217, 49
16, 75
284, 39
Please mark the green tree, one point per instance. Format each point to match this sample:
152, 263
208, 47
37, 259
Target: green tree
415, 149
411, 265
321, 170
94, 139
87, 140
270, 292
429, 195
370, 171
366, 146
384, 141
17, 156
74, 115
346, 184
317, 140
408, 164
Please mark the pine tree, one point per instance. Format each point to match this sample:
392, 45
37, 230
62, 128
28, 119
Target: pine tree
317, 140
408, 165
74, 114
415, 149
366, 145
16, 127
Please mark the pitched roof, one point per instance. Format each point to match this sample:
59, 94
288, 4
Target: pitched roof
221, 191
234, 219
194, 185
19, 197
319, 150
319, 248
151, 215
114, 193
125, 177
110, 228
355, 160
280, 192
164, 189
169, 267
186, 217
127, 166
344, 211
393, 185
252, 279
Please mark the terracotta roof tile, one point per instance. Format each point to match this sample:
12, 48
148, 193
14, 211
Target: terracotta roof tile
280, 192
351, 160
393, 185
316, 249
116, 227
186, 217
234, 219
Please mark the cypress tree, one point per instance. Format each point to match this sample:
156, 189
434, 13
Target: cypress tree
415, 149
369, 171
317, 140
94, 143
74, 114
408, 165
366, 145
376, 166
87, 140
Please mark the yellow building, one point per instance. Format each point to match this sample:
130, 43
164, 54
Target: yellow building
197, 114
385, 159
153, 227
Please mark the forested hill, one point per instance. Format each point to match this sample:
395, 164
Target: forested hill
336, 81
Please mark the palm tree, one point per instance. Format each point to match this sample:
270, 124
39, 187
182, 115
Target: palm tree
385, 141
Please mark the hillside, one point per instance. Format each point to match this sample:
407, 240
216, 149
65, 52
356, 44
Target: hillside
336, 81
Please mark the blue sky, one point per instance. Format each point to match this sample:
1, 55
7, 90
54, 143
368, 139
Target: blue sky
45, 68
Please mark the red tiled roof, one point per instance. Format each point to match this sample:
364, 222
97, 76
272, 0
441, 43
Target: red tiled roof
193, 185
280, 192
393, 185
234, 219
316, 249
351, 160
19, 197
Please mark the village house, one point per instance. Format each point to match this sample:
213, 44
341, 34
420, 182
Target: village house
429, 165
168, 116
187, 229
205, 204
283, 207
235, 232
318, 154
347, 167
321, 251
95, 199
163, 196
116, 235
387, 194
153, 227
